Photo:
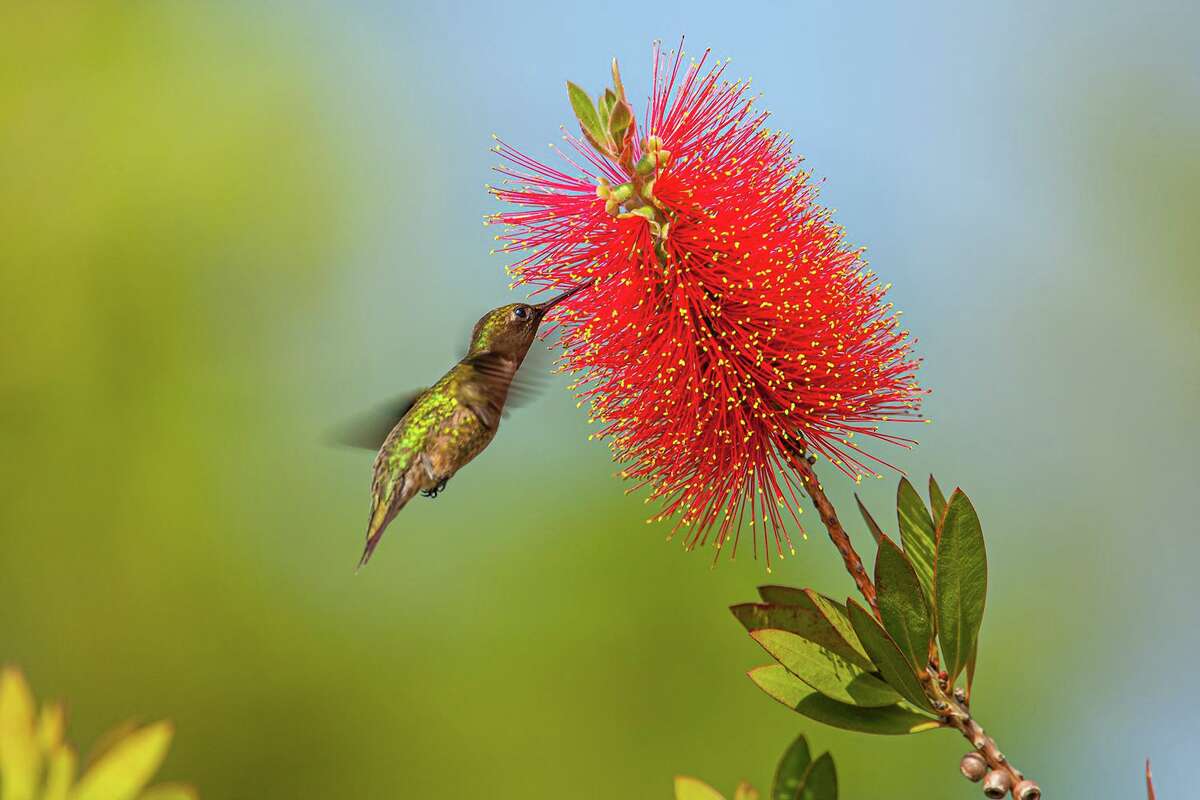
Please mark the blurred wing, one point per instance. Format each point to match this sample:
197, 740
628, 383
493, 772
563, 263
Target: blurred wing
523, 387
369, 429
531, 379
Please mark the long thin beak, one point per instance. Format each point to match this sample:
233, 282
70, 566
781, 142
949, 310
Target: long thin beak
542, 308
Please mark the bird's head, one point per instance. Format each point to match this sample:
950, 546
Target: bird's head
510, 330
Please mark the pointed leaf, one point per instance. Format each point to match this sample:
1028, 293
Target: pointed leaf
780, 684
825, 671
872, 525
887, 656
107, 740
692, 789
604, 108
902, 604
960, 583
782, 595
60, 773
745, 791
803, 619
916, 533
51, 723
20, 759
937, 502
607, 101
789, 775
821, 781
585, 112
618, 120
122, 772
833, 611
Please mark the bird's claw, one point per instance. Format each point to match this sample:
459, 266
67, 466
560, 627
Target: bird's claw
435, 491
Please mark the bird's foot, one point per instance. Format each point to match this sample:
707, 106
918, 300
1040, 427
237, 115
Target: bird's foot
435, 491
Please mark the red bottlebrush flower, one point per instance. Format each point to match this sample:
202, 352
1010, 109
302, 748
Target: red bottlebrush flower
730, 329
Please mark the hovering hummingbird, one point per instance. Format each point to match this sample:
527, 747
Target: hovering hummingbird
431, 434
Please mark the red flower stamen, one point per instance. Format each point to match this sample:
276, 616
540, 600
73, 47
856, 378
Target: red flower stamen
730, 329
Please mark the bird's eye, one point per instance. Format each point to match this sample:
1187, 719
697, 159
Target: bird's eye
521, 312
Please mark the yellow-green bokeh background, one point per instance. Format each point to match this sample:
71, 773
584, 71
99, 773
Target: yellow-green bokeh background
225, 227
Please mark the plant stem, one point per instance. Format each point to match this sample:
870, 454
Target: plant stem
955, 714
841, 540
953, 710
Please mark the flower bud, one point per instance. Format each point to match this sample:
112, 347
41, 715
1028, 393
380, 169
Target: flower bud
973, 767
1027, 790
603, 189
645, 164
996, 784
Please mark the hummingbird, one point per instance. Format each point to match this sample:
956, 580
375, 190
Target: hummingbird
433, 433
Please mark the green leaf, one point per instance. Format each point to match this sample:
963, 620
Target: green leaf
60, 773
937, 502
585, 112
916, 533
745, 791
20, 759
803, 619
789, 775
782, 595
834, 611
825, 671
691, 789
122, 772
780, 684
608, 100
902, 604
821, 781
618, 121
604, 107
960, 583
887, 656
872, 525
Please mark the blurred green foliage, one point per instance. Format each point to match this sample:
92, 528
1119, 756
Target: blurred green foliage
37, 763
798, 776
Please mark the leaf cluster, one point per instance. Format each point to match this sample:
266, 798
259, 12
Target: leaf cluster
842, 665
607, 124
798, 776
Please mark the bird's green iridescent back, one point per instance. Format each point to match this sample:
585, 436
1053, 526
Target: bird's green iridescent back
441, 428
